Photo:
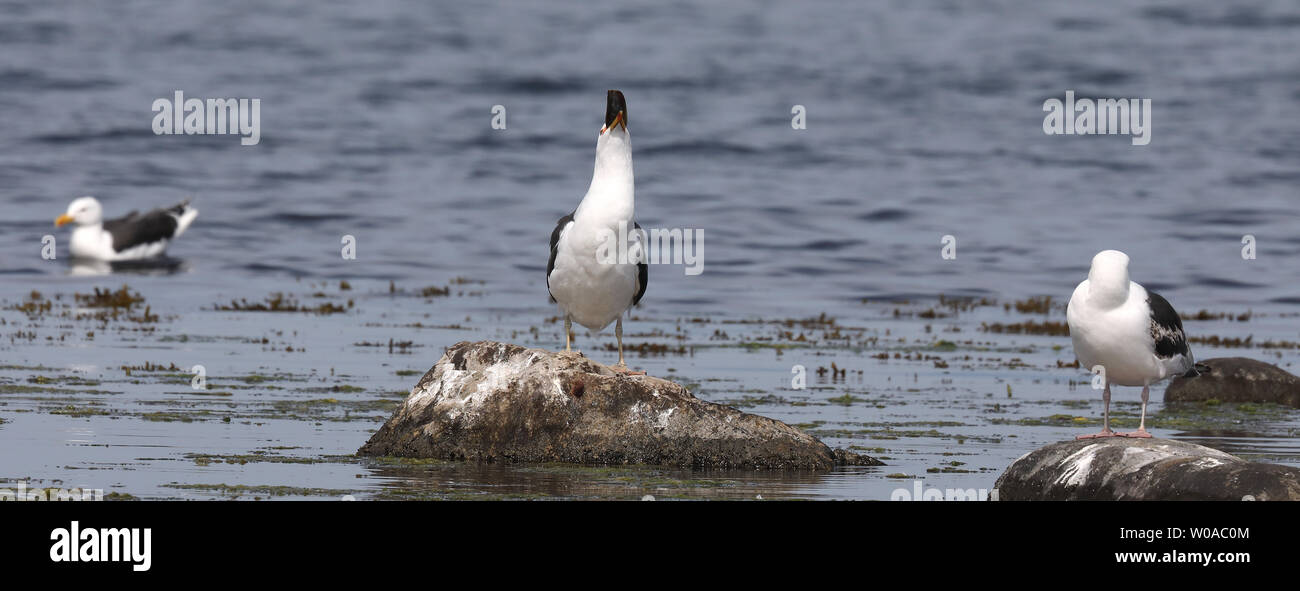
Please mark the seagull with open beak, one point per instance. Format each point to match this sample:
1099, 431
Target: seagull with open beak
590, 289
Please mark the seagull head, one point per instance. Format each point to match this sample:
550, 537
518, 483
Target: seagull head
84, 211
615, 114
613, 170
1109, 271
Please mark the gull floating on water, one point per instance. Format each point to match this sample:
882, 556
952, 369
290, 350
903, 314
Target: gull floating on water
1133, 333
132, 237
591, 291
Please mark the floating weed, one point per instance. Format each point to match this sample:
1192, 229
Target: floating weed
752, 401
256, 457
1240, 343
72, 410
647, 349
168, 416
336, 389
241, 490
1215, 415
846, 399
279, 302
1034, 305
807, 426
434, 291
890, 433
123, 298
34, 305
949, 470
333, 409
1056, 420
1050, 328
400, 461
148, 367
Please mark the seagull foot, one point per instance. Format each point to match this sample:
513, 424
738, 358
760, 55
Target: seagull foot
1106, 433
623, 369
1139, 434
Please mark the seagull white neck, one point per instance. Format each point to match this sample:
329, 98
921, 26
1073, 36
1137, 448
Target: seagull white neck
610, 195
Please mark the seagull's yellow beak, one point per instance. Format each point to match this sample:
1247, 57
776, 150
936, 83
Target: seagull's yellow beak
615, 111
61, 220
619, 120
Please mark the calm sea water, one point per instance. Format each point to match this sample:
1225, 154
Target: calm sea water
924, 119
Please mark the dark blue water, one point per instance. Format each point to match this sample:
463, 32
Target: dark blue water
924, 119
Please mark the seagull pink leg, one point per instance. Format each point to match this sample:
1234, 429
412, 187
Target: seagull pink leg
1105, 417
621, 367
1142, 425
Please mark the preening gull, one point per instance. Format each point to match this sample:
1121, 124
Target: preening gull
132, 237
1133, 333
589, 287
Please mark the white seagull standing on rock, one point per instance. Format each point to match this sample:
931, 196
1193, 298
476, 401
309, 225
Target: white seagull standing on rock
132, 237
589, 287
1134, 334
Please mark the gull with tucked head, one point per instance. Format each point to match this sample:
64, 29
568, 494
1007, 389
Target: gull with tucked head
1132, 333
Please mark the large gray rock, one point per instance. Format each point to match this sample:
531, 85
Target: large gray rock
490, 401
1237, 379
1121, 468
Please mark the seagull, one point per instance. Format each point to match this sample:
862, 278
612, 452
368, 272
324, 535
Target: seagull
597, 271
1132, 333
132, 237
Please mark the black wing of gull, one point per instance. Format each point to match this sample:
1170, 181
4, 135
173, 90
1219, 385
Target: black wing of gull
134, 229
1167, 332
642, 270
560, 227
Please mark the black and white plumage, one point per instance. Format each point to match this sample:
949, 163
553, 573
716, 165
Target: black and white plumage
1134, 334
596, 271
1167, 332
132, 237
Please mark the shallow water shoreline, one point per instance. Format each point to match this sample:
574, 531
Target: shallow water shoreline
945, 391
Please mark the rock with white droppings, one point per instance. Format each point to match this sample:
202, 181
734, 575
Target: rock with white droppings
1237, 379
497, 402
1122, 468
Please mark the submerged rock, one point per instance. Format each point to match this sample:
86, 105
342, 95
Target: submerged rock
1122, 468
491, 402
1237, 379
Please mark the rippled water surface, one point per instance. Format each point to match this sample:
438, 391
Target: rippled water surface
822, 246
